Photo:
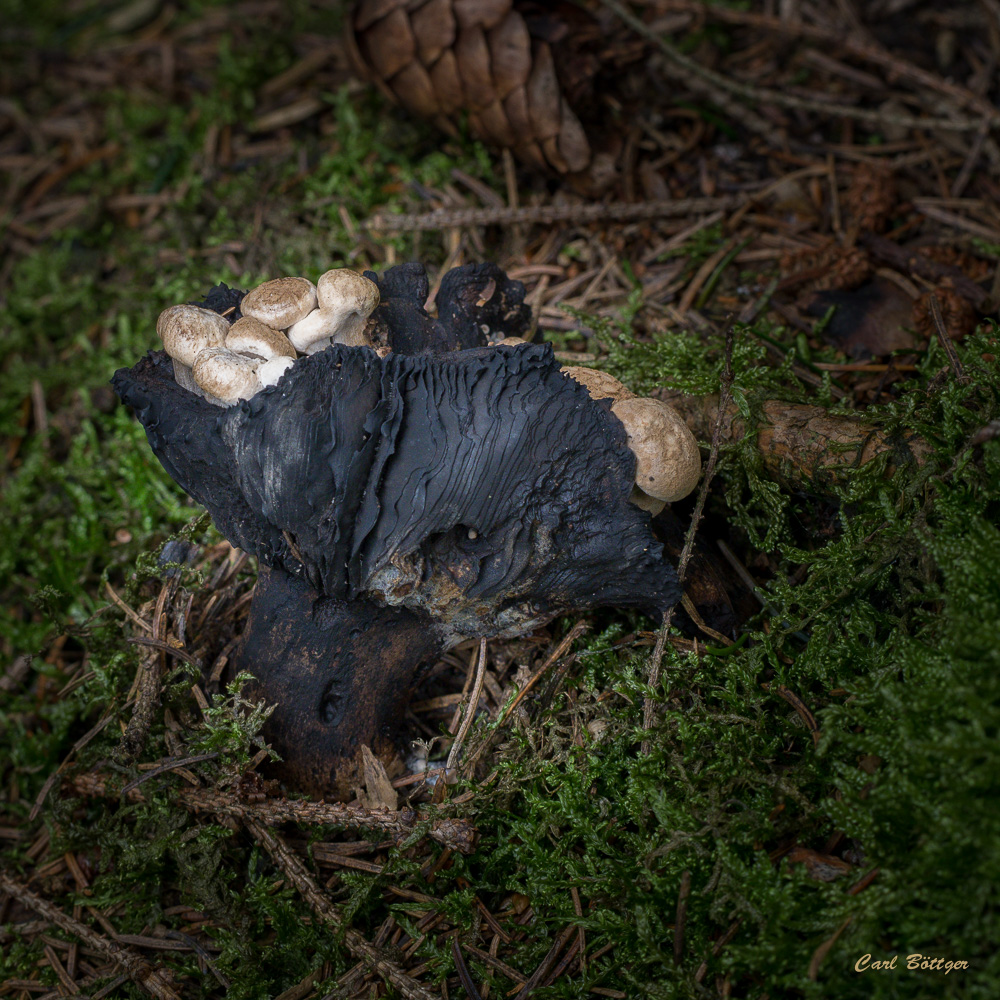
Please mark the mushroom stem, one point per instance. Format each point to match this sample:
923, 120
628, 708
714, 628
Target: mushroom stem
339, 674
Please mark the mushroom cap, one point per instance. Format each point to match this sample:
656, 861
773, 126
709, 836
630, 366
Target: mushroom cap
349, 299
599, 384
270, 371
188, 330
343, 290
511, 341
281, 302
226, 375
668, 464
249, 336
318, 325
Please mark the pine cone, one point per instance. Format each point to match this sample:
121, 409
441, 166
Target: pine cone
871, 198
491, 58
833, 268
975, 268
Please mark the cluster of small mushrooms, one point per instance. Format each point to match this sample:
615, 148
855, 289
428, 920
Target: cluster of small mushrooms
281, 319
287, 317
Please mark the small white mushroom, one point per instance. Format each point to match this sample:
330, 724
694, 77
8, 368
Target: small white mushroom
188, 330
226, 375
668, 464
312, 333
281, 302
250, 336
270, 371
599, 384
350, 298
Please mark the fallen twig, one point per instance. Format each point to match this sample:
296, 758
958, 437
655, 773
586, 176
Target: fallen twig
942, 334
457, 833
295, 871
463, 971
615, 211
139, 970
455, 755
763, 95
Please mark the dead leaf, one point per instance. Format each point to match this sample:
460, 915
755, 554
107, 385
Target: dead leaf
871, 321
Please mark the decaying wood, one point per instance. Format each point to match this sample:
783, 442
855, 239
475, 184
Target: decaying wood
799, 443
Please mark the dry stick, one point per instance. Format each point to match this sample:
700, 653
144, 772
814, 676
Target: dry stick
856, 46
75, 749
297, 873
942, 334
147, 694
463, 971
539, 974
456, 833
567, 640
477, 690
653, 677
138, 968
764, 95
965, 174
615, 211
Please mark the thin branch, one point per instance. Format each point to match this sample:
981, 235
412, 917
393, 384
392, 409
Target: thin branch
297, 873
860, 47
456, 833
763, 95
463, 971
942, 335
455, 755
139, 970
615, 211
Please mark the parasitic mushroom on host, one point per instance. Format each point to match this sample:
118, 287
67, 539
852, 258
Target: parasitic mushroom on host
399, 503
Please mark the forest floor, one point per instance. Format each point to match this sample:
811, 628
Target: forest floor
818, 779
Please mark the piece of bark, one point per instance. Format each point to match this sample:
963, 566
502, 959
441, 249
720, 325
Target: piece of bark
802, 444
378, 791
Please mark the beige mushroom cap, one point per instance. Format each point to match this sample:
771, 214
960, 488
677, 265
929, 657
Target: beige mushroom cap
316, 327
226, 375
668, 464
511, 341
349, 298
250, 336
281, 302
644, 501
188, 330
599, 384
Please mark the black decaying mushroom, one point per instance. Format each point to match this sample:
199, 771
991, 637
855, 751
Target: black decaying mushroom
399, 504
